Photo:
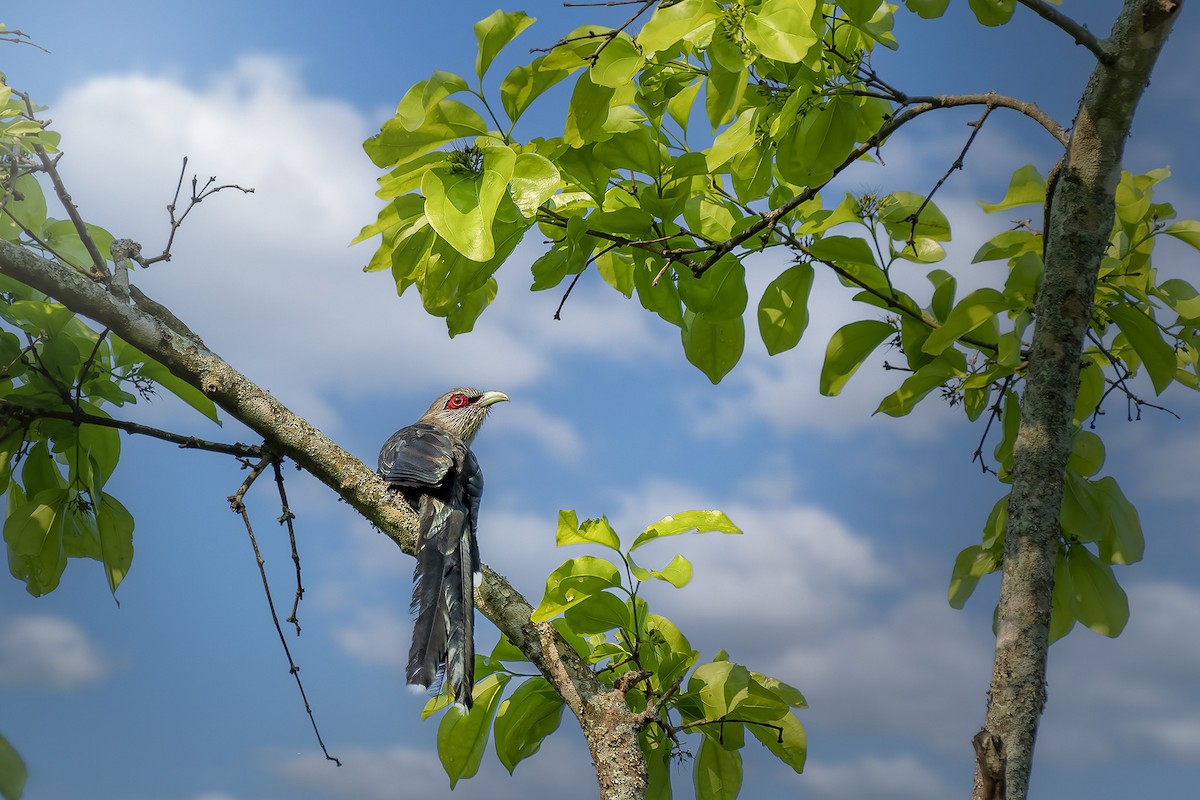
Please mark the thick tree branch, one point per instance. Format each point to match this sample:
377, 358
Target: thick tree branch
606, 720
1080, 219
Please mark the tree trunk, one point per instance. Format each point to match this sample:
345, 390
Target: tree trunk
1079, 221
606, 720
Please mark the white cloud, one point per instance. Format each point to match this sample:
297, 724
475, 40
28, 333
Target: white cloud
42, 651
557, 437
376, 637
894, 777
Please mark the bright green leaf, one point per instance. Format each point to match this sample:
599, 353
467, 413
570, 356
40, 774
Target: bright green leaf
12, 771
783, 309
525, 719
784, 30
848, 349
463, 736
1157, 355
1027, 187
670, 23
717, 772
461, 205
618, 63
445, 122
714, 348
574, 582
599, 613
115, 525
1099, 602
1185, 230
678, 573
992, 12
534, 180
494, 32
1125, 543
969, 314
686, 522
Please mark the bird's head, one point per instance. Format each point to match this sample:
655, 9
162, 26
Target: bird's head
461, 411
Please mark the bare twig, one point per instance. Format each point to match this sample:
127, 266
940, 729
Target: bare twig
957, 165
285, 518
199, 194
607, 36
237, 504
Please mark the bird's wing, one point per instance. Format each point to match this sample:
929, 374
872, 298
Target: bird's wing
419, 455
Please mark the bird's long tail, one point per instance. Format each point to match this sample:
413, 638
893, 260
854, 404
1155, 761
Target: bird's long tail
443, 633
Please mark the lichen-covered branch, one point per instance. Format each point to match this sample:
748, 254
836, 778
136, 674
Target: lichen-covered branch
606, 720
1080, 219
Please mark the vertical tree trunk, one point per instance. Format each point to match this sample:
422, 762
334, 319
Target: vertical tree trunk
1079, 220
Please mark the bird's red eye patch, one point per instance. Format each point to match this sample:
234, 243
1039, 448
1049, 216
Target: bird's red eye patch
457, 400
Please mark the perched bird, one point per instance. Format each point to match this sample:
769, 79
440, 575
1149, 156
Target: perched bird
432, 465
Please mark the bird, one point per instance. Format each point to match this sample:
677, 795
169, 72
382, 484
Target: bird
431, 464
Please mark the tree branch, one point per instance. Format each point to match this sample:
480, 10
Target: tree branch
1078, 32
603, 715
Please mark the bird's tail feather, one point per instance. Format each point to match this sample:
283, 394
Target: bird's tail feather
443, 632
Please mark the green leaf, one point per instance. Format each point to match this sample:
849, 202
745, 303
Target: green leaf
1027, 187
12, 771
678, 573
950, 364
972, 312
599, 613
494, 32
636, 150
1144, 336
423, 96
1062, 619
33, 531
573, 582
717, 772
1182, 297
29, 211
534, 181
714, 348
618, 63
1185, 230
671, 23
927, 9
718, 294
461, 205
1098, 601
1087, 453
819, 142
115, 525
525, 719
972, 564
790, 746
592, 531
445, 122
721, 685
661, 297
587, 112
463, 736
784, 30
1125, 543
896, 215
686, 522
848, 349
783, 310
525, 83
992, 12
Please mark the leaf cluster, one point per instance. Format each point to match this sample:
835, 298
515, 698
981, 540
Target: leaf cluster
597, 605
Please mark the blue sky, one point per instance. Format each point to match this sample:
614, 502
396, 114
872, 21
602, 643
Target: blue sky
851, 522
